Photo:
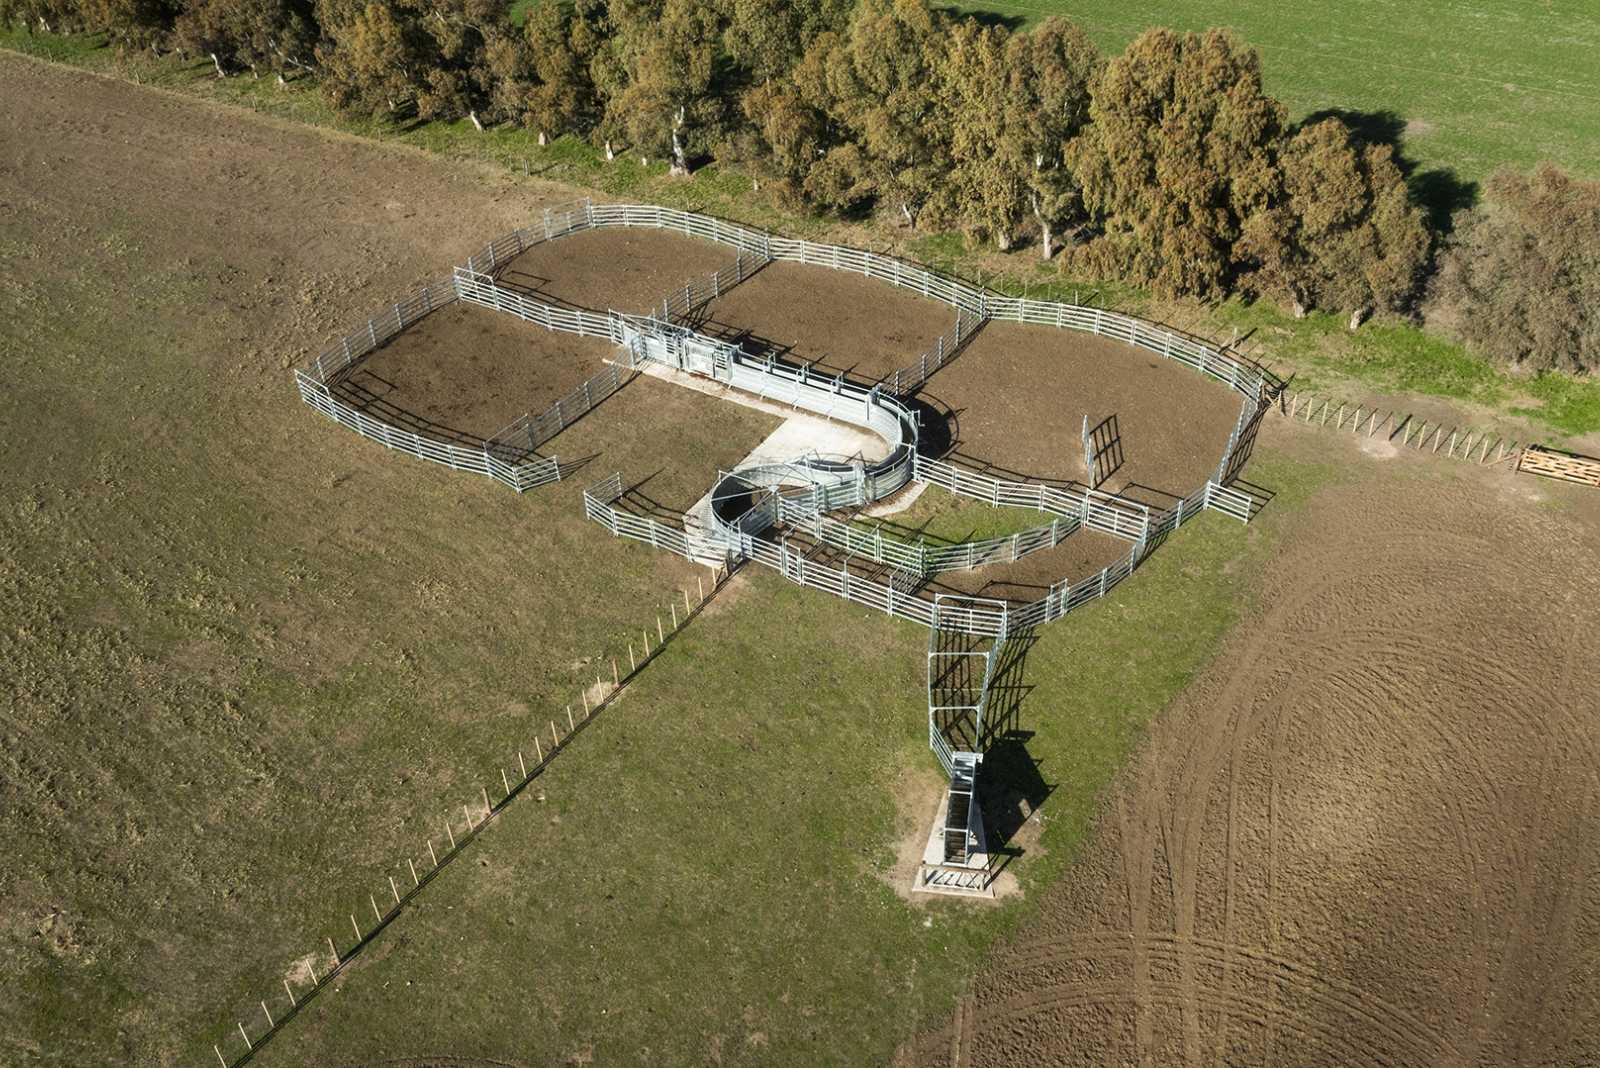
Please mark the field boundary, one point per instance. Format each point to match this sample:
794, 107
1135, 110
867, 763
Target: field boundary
1404, 429
475, 817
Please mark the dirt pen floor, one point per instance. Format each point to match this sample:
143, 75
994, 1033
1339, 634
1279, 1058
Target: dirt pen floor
465, 372
838, 320
623, 269
1019, 394
1368, 834
1028, 579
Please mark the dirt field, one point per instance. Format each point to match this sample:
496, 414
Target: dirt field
835, 319
466, 371
621, 269
1367, 834
1019, 395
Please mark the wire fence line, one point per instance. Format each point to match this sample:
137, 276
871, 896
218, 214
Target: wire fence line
1402, 428
451, 836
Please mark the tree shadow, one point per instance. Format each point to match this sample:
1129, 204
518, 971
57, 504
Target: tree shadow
1438, 190
987, 19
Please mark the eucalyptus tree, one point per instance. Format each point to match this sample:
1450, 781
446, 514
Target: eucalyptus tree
1178, 153
1345, 235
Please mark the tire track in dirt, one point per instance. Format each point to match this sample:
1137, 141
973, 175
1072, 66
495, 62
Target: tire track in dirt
1349, 999
1365, 835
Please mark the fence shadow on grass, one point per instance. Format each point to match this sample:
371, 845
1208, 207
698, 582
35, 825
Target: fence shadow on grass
1011, 787
641, 503
458, 843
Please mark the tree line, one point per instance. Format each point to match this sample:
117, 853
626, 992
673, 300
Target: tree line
1168, 165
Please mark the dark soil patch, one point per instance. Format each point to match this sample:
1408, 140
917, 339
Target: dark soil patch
1028, 579
1020, 393
1079, 556
625, 269
465, 372
835, 319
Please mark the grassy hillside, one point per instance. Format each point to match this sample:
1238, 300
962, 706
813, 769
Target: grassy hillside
1467, 87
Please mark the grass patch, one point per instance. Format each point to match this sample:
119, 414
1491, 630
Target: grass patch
1465, 87
707, 873
1567, 404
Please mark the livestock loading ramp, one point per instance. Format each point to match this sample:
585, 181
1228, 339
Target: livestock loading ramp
961, 670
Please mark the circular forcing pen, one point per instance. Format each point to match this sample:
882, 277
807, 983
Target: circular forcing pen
891, 379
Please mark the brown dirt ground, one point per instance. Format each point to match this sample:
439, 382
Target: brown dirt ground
1020, 393
628, 270
668, 442
835, 319
466, 371
1022, 582
1367, 834
1079, 556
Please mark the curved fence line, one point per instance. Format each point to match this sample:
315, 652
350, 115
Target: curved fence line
316, 379
1240, 374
